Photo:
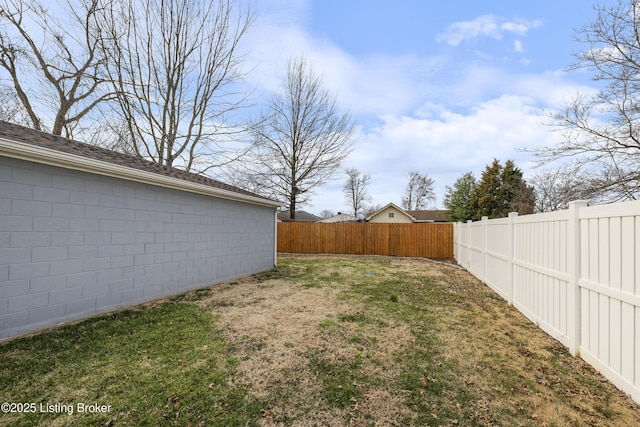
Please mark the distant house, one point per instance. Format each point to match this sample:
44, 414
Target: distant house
429, 215
301, 216
340, 217
391, 213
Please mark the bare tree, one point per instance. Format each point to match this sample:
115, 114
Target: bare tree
355, 190
602, 132
372, 209
556, 187
301, 141
11, 109
327, 214
175, 66
419, 192
53, 63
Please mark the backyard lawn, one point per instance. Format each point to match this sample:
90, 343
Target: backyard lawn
332, 341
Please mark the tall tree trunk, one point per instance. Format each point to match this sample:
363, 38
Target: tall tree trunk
292, 205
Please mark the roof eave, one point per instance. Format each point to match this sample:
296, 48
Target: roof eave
394, 206
47, 156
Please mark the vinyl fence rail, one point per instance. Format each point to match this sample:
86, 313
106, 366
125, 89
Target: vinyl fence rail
576, 273
425, 240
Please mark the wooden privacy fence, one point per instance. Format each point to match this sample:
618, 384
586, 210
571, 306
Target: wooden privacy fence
576, 273
424, 240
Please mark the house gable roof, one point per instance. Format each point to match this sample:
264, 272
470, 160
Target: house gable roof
40, 147
341, 217
392, 205
429, 215
301, 216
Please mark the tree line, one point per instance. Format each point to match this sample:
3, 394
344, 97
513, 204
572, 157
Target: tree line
418, 193
500, 190
161, 79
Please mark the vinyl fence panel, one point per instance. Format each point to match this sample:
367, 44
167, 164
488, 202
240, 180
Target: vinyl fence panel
476, 249
541, 276
498, 256
576, 273
610, 321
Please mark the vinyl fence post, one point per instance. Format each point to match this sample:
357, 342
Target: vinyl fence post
275, 240
455, 242
459, 241
468, 266
574, 307
511, 255
484, 248
460, 230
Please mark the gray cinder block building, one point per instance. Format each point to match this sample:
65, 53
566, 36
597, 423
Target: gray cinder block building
85, 230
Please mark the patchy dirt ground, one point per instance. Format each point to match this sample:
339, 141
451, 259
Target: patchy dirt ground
321, 353
276, 327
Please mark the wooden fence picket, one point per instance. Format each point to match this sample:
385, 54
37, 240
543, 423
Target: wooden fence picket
425, 240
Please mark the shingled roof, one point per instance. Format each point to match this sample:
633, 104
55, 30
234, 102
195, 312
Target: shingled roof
301, 216
429, 215
13, 132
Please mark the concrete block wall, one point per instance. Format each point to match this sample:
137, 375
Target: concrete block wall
73, 244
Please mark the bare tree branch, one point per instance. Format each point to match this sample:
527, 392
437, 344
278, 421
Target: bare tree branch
302, 139
355, 190
174, 65
419, 192
54, 70
602, 132
11, 109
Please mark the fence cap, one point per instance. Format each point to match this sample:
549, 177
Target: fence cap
578, 203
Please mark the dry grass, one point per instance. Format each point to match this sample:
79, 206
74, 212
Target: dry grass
320, 341
407, 342
279, 330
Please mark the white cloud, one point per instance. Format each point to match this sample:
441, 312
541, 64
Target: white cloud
492, 128
429, 113
476, 82
520, 27
370, 85
379, 84
517, 46
444, 144
485, 26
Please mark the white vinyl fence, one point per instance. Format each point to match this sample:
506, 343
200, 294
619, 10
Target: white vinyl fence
576, 273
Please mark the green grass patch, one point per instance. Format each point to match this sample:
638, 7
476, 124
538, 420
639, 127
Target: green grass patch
353, 317
161, 365
340, 380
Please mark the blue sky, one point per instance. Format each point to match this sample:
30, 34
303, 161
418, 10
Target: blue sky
441, 87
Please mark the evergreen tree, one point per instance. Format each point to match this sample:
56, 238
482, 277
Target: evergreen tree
458, 199
485, 197
516, 195
501, 190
